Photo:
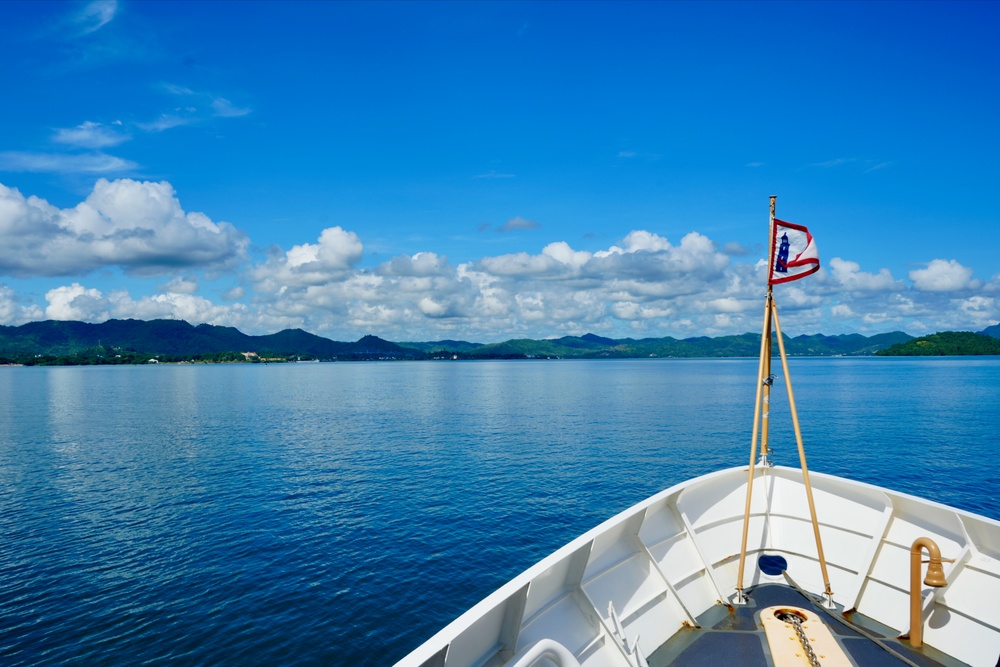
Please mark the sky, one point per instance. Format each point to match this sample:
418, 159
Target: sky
486, 171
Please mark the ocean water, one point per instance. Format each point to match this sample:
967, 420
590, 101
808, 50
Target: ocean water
340, 514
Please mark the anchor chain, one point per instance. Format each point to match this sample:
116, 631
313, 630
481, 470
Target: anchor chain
796, 622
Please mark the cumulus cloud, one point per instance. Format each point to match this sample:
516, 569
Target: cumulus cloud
138, 226
643, 285
943, 276
520, 264
177, 306
644, 281
75, 302
420, 264
850, 276
328, 260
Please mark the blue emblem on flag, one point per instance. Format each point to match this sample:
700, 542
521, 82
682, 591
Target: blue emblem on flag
781, 263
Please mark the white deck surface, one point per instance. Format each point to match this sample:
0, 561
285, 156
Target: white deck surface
665, 561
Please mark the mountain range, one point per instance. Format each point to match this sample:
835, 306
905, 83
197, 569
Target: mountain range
176, 340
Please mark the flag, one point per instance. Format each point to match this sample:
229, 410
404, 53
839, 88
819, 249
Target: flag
793, 251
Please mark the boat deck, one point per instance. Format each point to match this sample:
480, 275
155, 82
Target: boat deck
734, 635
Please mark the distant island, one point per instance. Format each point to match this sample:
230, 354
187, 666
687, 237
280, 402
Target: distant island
175, 341
945, 343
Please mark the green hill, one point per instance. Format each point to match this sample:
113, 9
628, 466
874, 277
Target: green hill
175, 338
743, 345
135, 341
946, 343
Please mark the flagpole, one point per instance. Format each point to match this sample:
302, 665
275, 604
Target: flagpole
765, 450
763, 389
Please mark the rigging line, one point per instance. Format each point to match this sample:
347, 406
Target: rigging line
740, 596
802, 455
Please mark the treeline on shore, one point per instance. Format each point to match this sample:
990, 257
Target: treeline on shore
124, 342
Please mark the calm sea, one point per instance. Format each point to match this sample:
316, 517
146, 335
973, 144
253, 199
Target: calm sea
342, 513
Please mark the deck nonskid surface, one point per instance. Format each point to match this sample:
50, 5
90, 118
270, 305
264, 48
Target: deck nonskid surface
734, 635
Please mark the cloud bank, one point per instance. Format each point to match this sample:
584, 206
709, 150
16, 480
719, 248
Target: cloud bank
644, 285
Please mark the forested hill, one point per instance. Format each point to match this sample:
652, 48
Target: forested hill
178, 340
137, 341
590, 346
945, 343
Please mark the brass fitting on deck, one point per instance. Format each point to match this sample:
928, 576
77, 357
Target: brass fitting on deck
935, 578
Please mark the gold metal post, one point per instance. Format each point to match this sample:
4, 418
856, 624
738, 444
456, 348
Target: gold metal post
935, 577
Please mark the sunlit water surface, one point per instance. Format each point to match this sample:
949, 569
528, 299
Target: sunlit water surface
342, 513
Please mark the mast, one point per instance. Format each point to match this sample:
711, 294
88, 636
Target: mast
761, 423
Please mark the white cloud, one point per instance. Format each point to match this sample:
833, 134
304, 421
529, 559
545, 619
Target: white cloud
943, 276
979, 306
177, 306
728, 305
64, 163
168, 121
520, 264
138, 226
195, 107
420, 264
223, 108
90, 135
12, 312
842, 311
564, 254
643, 240
181, 285
75, 302
310, 263
850, 276
95, 15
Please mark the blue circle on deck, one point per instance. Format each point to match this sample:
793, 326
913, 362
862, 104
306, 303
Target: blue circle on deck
772, 565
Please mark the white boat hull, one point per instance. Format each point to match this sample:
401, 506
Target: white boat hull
642, 576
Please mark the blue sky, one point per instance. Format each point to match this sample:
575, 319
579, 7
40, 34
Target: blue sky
486, 171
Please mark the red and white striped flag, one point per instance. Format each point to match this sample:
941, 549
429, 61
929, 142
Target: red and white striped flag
794, 253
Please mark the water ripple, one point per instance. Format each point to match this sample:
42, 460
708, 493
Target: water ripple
342, 513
